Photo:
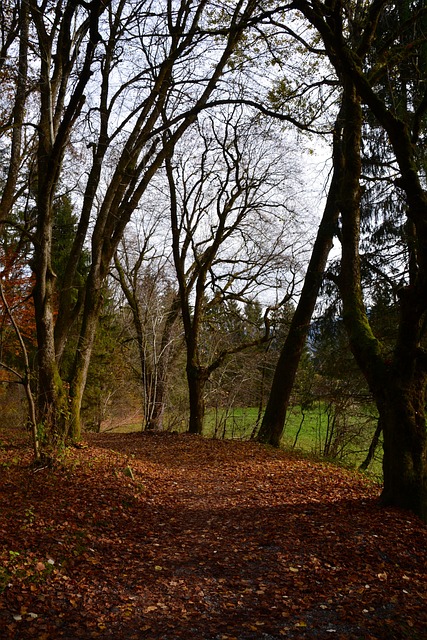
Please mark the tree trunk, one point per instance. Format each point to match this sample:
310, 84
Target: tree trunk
52, 405
372, 447
405, 447
398, 386
154, 421
53, 138
94, 300
166, 356
284, 376
197, 379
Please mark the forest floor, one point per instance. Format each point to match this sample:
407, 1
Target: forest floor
179, 537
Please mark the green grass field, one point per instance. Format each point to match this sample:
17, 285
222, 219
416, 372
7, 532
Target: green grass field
307, 432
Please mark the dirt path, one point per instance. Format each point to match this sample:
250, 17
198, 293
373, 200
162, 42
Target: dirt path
178, 537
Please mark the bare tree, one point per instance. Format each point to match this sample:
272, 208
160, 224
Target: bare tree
24, 377
228, 218
153, 302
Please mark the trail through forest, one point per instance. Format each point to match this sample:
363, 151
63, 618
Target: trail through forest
178, 537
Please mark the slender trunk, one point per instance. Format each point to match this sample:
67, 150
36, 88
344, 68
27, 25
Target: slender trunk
166, 356
372, 447
299, 429
24, 379
284, 376
155, 419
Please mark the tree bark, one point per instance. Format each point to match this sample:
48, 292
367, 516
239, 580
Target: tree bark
405, 445
197, 378
55, 124
92, 308
167, 353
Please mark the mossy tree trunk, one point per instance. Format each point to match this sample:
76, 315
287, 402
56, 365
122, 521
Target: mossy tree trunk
93, 304
397, 384
405, 444
59, 109
398, 380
